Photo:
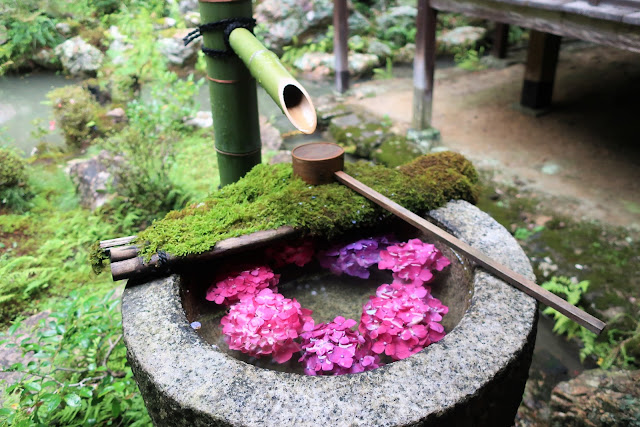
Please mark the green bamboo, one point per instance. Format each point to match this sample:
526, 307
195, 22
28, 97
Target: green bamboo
234, 106
267, 69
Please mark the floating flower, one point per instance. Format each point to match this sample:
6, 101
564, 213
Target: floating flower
237, 285
298, 254
355, 258
52, 125
266, 323
401, 320
412, 262
334, 348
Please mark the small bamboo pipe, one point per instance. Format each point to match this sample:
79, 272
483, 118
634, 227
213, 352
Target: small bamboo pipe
305, 155
266, 68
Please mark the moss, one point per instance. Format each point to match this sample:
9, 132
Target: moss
396, 151
77, 114
360, 139
12, 170
270, 196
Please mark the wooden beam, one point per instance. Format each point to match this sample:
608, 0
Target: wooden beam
540, 70
553, 17
340, 44
424, 65
500, 40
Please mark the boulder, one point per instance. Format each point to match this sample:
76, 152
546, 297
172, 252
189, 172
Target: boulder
399, 16
284, 20
164, 23
379, 49
93, 177
78, 57
461, 37
320, 64
63, 28
174, 49
597, 398
117, 115
405, 54
188, 6
118, 46
192, 19
46, 59
202, 120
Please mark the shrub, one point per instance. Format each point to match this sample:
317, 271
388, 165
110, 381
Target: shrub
78, 374
77, 115
14, 190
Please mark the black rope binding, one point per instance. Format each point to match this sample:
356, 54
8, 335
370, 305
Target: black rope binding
163, 261
227, 26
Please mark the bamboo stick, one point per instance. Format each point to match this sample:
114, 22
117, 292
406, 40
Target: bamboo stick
234, 101
517, 280
137, 267
106, 244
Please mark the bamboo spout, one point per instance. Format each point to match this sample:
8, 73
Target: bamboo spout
266, 68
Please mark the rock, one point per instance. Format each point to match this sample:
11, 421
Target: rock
396, 150
359, 135
399, 16
405, 54
464, 37
46, 59
192, 19
284, 20
270, 136
202, 120
63, 28
188, 6
164, 23
176, 52
379, 49
328, 107
282, 156
93, 177
319, 64
597, 398
117, 115
118, 46
358, 23
78, 57
426, 139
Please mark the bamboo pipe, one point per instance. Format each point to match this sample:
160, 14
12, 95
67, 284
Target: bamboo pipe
324, 160
266, 68
234, 100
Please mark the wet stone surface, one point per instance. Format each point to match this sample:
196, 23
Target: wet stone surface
477, 371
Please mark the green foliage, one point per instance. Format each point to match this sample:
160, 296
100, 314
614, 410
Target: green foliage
385, 73
469, 59
296, 50
26, 32
78, 373
523, 233
14, 189
270, 196
613, 346
105, 7
145, 187
398, 36
77, 114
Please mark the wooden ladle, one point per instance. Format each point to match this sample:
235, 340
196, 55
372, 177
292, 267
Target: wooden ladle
322, 163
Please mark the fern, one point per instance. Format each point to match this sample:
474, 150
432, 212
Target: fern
572, 291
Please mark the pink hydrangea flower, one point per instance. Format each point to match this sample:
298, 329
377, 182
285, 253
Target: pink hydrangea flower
355, 258
412, 262
266, 323
298, 254
334, 348
401, 320
237, 285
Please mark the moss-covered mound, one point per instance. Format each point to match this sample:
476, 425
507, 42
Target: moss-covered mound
270, 196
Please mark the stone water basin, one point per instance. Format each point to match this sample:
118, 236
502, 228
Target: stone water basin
474, 376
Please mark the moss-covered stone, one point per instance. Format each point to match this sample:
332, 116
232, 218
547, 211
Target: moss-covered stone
358, 135
78, 115
270, 196
396, 151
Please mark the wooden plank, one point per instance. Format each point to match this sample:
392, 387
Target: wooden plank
500, 40
105, 244
540, 71
609, 12
424, 65
547, 4
340, 44
609, 33
517, 280
632, 18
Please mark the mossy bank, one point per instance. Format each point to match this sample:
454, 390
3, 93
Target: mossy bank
270, 196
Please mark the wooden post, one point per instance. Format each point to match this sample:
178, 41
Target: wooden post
340, 45
500, 40
234, 100
540, 71
424, 65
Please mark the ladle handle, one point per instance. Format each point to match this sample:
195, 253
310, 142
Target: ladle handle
517, 280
